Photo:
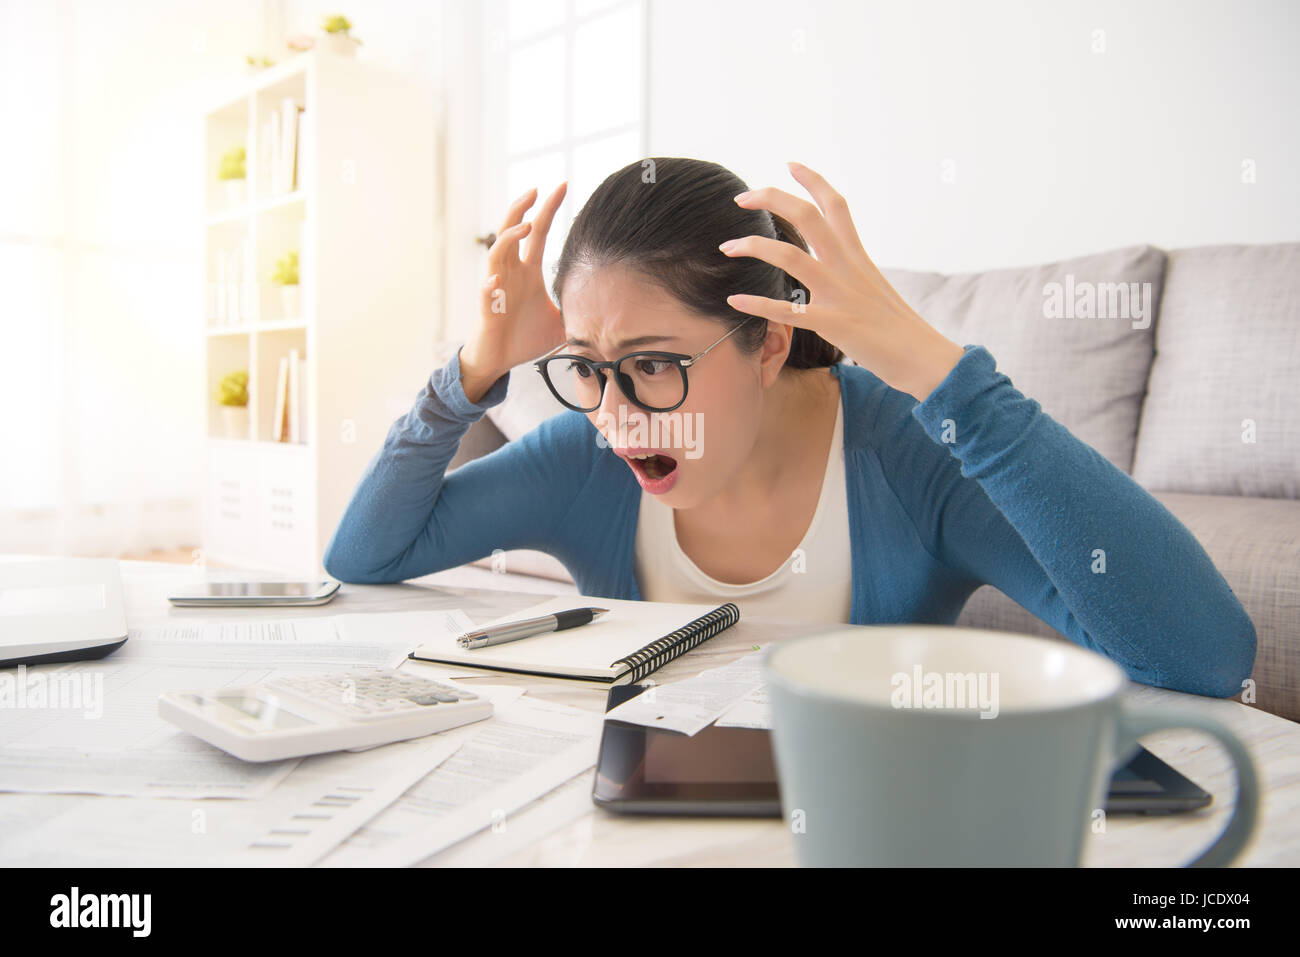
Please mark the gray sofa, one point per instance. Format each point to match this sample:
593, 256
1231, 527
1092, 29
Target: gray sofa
1181, 367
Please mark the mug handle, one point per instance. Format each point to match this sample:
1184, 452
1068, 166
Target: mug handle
1134, 722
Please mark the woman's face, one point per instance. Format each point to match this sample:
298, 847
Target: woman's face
611, 311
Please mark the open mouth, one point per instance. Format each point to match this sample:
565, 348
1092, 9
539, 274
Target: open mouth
654, 467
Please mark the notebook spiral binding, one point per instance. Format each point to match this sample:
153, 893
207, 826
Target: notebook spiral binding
660, 652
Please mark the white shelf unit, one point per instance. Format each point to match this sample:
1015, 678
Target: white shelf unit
363, 216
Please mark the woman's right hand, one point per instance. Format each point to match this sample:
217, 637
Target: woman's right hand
517, 319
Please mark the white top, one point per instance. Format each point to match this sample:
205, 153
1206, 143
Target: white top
814, 583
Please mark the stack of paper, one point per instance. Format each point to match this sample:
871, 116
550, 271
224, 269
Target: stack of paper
692, 705
528, 750
119, 786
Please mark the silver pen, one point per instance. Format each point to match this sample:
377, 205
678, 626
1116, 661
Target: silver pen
527, 627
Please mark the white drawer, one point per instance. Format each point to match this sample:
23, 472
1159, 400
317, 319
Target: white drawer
232, 501
286, 507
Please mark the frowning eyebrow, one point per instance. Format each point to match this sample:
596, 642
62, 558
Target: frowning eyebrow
638, 341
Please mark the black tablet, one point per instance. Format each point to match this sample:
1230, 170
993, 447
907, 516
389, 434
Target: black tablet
731, 772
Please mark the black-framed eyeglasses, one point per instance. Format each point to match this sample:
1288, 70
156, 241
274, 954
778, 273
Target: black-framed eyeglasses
655, 381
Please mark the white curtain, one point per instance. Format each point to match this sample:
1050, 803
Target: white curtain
101, 304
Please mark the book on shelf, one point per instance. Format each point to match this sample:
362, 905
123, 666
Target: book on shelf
232, 291
301, 159
279, 147
281, 387
290, 423
267, 150
304, 264
247, 301
295, 372
229, 294
289, 146
250, 162
302, 398
220, 317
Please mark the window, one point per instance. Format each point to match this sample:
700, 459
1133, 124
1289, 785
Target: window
100, 295
568, 80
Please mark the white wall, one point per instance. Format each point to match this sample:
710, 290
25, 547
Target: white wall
1056, 150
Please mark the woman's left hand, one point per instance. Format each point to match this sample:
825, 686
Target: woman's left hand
850, 303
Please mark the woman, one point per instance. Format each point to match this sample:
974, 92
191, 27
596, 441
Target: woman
789, 482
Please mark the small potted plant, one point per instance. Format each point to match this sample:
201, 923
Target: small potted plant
254, 63
231, 172
286, 277
232, 396
338, 38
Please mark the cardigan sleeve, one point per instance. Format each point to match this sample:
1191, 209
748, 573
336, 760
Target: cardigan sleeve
407, 517
1020, 503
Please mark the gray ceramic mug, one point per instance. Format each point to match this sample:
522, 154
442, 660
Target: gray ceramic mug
917, 745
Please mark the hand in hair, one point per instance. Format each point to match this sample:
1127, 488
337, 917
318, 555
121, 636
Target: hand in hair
517, 319
850, 304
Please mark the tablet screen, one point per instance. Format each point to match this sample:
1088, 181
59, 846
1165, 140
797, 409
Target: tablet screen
675, 758
731, 771
719, 770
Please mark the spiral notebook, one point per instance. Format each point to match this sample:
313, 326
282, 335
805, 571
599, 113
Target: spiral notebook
630, 642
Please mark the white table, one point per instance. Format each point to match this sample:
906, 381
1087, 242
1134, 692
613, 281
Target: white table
565, 828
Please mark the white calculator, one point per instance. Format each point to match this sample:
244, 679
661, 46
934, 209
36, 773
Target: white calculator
292, 716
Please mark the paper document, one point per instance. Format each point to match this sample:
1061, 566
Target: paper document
107, 738
324, 799
751, 711
93, 727
528, 832
691, 705
526, 751
382, 639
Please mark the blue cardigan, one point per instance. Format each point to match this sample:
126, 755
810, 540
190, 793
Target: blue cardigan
1013, 500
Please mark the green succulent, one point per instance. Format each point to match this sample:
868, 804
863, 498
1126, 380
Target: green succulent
258, 61
339, 24
286, 269
233, 389
232, 164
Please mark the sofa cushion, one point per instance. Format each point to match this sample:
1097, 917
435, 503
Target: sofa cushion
1088, 373
1220, 413
479, 439
1255, 544
528, 403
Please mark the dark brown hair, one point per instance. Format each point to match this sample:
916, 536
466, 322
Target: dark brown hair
664, 217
